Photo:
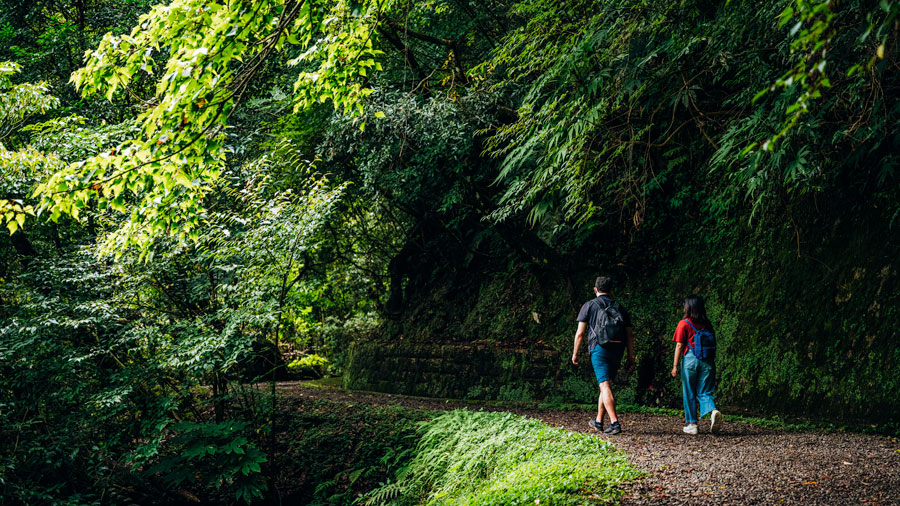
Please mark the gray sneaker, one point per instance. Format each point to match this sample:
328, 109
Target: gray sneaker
594, 424
614, 428
715, 421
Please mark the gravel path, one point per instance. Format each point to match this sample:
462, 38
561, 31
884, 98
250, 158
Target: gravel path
743, 464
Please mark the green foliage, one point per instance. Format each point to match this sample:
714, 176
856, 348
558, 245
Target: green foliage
521, 393
212, 53
163, 334
577, 388
337, 451
136, 340
627, 152
335, 334
611, 97
69, 400
812, 30
309, 365
73, 138
466, 457
18, 103
216, 455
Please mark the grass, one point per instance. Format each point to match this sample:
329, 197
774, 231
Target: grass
491, 458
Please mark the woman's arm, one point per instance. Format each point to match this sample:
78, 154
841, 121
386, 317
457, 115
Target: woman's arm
679, 350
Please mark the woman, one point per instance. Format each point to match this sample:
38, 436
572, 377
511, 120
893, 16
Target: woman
698, 376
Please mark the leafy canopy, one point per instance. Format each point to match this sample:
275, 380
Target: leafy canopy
18, 103
202, 58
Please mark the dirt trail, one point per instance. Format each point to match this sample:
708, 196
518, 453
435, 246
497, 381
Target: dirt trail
743, 464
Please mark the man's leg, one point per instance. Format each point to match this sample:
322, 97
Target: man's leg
607, 401
598, 361
600, 408
606, 395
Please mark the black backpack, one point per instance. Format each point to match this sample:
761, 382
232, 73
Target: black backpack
608, 326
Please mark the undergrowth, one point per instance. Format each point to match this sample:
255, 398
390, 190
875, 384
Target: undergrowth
331, 452
488, 458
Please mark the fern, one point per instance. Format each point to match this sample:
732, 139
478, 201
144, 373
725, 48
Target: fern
466, 457
381, 495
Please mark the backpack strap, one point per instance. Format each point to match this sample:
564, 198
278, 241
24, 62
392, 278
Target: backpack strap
692, 325
688, 342
598, 304
601, 308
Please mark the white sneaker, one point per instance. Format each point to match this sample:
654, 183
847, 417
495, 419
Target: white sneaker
690, 429
716, 419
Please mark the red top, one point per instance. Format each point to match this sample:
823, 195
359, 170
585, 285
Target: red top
685, 334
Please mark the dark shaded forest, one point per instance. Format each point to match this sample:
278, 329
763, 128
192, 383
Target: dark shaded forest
206, 198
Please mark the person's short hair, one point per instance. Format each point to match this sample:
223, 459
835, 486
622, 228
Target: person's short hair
603, 284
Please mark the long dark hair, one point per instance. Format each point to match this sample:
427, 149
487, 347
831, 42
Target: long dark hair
695, 309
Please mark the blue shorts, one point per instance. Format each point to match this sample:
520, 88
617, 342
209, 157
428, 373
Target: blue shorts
606, 361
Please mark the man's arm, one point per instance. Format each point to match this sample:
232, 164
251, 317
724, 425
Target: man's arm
579, 337
679, 350
629, 362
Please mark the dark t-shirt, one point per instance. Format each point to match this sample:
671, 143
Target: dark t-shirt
590, 311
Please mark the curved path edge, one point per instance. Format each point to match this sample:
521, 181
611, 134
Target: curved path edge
743, 464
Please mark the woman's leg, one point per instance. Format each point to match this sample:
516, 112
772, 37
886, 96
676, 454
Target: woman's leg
689, 387
706, 386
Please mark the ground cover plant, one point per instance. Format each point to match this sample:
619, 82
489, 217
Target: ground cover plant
330, 452
481, 458
344, 452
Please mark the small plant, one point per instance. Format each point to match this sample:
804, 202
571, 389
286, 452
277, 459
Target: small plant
475, 392
309, 366
215, 455
578, 388
520, 393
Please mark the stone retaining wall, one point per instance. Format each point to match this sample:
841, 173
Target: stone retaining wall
465, 371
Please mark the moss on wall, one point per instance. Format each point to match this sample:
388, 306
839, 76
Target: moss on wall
467, 371
811, 332
806, 319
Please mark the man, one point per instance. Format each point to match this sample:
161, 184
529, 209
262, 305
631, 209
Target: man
608, 325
